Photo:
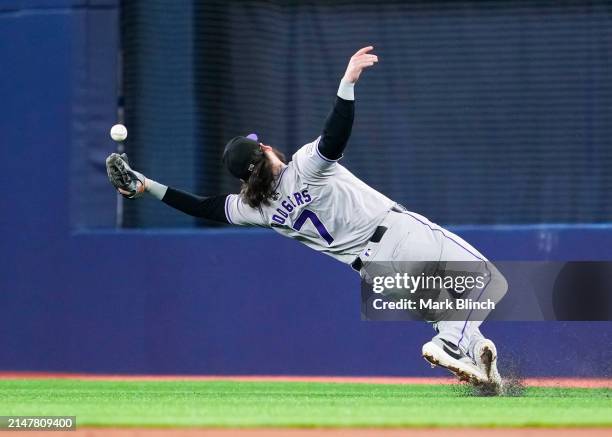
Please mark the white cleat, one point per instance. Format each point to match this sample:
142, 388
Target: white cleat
485, 356
440, 352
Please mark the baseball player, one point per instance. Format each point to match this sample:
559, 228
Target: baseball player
317, 201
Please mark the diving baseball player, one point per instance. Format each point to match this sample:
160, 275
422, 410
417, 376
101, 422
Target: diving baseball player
317, 201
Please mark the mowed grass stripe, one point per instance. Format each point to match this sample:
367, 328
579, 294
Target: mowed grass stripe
299, 404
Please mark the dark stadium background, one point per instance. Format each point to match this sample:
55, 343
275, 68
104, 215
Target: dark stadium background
479, 112
492, 117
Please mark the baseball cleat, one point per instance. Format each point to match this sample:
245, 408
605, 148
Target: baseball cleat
485, 356
443, 353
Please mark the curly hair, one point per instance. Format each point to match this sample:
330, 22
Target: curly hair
259, 188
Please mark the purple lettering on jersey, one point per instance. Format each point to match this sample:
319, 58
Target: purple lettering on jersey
321, 229
281, 212
279, 220
307, 197
298, 198
287, 206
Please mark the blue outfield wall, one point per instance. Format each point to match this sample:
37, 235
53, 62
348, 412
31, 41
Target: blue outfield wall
230, 302
218, 301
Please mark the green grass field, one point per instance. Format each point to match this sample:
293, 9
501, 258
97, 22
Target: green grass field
299, 404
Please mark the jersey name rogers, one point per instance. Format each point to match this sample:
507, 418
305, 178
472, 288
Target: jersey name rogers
287, 206
318, 202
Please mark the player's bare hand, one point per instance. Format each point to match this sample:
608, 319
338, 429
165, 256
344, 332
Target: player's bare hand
361, 60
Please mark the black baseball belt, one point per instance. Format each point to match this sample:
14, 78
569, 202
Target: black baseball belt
376, 237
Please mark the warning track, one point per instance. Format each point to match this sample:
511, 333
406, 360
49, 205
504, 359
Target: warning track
531, 382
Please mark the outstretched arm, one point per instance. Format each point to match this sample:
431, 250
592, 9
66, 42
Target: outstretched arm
211, 208
131, 184
339, 122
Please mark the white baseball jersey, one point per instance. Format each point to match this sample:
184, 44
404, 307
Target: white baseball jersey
318, 202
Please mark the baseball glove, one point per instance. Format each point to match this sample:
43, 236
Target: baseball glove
128, 182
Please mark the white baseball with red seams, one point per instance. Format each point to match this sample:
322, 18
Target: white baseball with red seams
118, 132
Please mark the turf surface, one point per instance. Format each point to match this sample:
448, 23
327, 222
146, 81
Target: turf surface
298, 404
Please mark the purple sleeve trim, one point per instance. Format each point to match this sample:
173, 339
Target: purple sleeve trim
227, 210
323, 157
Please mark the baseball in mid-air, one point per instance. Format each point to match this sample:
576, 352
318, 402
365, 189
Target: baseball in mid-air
118, 132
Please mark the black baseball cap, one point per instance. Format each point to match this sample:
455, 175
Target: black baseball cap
240, 155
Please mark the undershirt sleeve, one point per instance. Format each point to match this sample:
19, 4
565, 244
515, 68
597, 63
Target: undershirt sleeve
337, 129
211, 208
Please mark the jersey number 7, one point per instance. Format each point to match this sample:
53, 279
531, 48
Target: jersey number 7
321, 229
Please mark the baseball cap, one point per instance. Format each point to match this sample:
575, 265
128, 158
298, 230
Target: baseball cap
240, 155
